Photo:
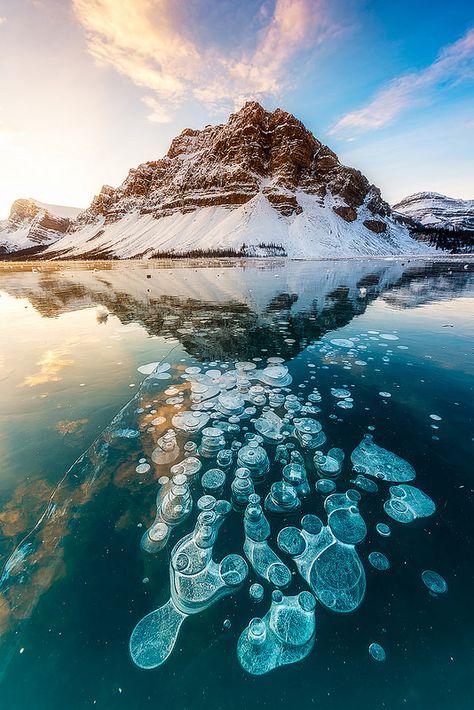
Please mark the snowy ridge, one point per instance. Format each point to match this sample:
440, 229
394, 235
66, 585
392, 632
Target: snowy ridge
438, 211
32, 224
316, 232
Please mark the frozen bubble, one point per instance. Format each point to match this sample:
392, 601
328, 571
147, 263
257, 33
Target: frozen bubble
365, 484
148, 369
284, 635
340, 393
342, 343
434, 582
406, 503
379, 561
256, 592
344, 404
436, 417
142, 460
325, 486
192, 370
389, 336
377, 652
383, 529
213, 481
213, 374
143, 468
375, 461
385, 394
347, 525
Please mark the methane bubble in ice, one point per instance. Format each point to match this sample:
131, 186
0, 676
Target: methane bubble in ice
342, 343
389, 336
331, 568
375, 461
407, 503
383, 529
256, 592
264, 561
190, 421
173, 506
379, 561
325, 486
143, 468
285, 634
255, 458
434, 582
197, 581
213, 482
377, 652
340, 393
365, 484
167, 449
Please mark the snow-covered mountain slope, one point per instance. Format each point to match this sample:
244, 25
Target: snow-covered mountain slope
32, 223
253, 228
438, 211
259, 184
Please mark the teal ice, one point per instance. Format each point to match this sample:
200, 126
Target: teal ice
373, 460
196, 582
407, 503
285, 635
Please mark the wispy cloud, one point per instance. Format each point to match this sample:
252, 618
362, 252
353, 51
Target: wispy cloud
150, 44
454, 63
2, 20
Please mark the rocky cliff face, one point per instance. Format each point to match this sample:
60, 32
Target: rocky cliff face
255, 153
438, 211
33, 223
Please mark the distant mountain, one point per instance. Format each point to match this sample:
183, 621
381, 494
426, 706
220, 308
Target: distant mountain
435, 210
445, 222
34, 224
260, 184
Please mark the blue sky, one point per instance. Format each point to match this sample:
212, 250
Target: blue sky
90, 88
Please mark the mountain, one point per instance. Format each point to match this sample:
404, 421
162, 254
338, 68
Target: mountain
434, 210
444, 222
260, 184
34, 224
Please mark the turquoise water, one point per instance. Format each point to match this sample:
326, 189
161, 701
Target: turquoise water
72, 337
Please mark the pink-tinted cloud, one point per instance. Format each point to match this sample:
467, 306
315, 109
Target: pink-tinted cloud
454, 63
146, 42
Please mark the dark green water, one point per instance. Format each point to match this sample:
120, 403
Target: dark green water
71, 339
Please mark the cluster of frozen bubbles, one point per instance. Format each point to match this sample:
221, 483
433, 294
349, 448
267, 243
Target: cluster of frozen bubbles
229, 427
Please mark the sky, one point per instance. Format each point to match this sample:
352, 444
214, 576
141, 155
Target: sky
91, 88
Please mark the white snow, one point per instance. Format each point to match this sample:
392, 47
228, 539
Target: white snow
315, 233
435, 210
14, 238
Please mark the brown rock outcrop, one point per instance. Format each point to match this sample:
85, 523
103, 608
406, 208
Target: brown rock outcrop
255, 152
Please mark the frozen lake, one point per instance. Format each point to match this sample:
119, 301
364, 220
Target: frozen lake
100, 360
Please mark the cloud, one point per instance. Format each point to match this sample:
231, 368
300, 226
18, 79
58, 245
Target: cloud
454, 63
158, 114
2, 20
152, 44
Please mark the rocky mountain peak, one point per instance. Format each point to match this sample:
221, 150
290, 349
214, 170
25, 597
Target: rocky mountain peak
257, 152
